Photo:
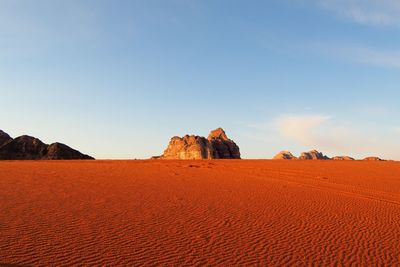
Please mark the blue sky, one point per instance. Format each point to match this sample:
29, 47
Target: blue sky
118, 78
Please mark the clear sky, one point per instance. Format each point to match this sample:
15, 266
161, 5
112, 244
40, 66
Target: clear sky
119, 78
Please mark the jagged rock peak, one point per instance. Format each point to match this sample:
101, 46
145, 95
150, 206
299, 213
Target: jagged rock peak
218, 133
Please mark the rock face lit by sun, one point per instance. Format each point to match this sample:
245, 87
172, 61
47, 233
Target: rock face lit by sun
216, 146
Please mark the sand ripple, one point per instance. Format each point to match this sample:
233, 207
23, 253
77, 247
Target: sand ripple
200, 213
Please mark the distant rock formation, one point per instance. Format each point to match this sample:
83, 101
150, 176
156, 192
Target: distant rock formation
313, 155
285, 155
216, 146
342, 158
373, 159
30, 148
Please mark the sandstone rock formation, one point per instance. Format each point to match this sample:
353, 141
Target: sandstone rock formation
223, 147
216, 146
30, 148
285, 155
188, 147
373, 159
342, 158
313, 155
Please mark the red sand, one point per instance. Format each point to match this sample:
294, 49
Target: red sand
175, 213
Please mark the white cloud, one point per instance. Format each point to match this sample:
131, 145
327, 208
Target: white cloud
327, 134
372, 12
300, 128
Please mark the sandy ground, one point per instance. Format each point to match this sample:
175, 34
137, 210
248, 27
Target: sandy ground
196, 213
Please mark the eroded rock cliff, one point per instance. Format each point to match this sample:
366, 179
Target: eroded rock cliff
216, 146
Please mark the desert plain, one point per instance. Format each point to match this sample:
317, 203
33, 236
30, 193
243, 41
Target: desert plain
199, 213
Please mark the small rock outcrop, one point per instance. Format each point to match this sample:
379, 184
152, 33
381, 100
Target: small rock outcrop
373, 159
30, 148
313, 155
342, 158
216, 146
285, 155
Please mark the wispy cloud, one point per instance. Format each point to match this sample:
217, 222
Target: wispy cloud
330, 135
372, 12
300, 128
384, 13
317, 131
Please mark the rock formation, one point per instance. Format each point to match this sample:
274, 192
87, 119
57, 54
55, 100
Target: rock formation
4, 137
188, 147
285, 155
342, 158
313, 155
373, 159
23, 148
58, 151
30, 148
216, 146
223, 147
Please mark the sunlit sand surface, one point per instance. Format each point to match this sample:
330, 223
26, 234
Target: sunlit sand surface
195, 213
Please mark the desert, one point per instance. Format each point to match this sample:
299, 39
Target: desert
199, 133
199, 213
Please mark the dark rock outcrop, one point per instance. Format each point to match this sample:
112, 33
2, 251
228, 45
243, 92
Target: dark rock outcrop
223, 147
23, 148
216, 146
58, 151
30, 148
313, 155
4, 138
285, 155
